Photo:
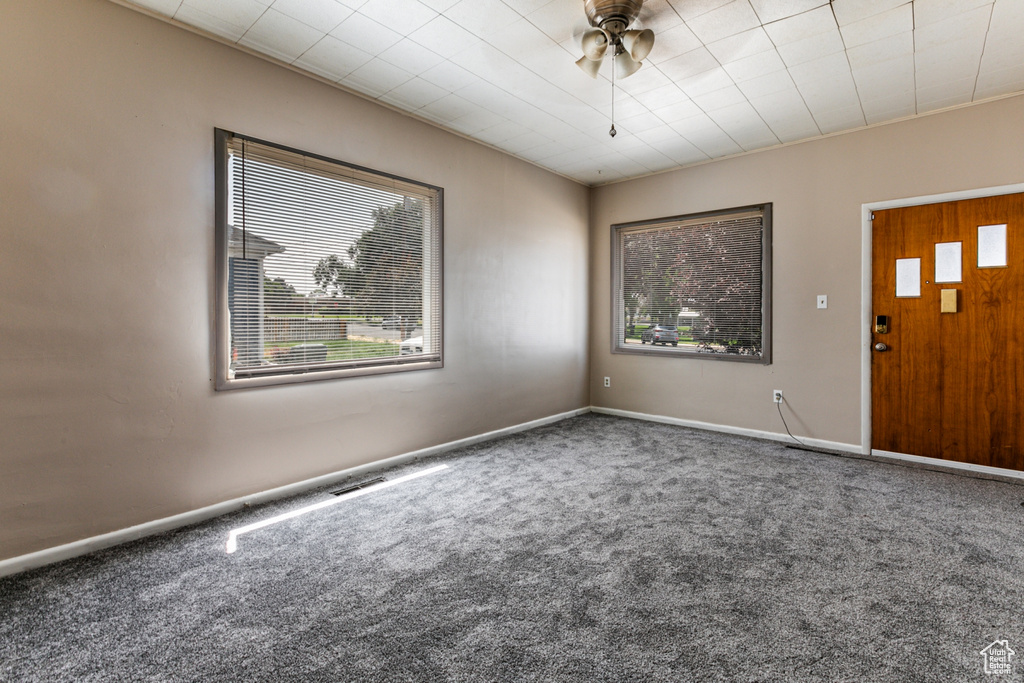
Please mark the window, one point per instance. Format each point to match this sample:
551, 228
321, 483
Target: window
694, 286
324, 269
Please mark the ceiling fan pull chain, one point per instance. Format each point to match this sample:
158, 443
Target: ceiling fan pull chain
613, 131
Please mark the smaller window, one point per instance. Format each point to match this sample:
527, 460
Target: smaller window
325, 269
694, 286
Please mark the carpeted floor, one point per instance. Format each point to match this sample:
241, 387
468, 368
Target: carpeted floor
595, 549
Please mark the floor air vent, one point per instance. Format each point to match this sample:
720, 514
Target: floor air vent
355, 487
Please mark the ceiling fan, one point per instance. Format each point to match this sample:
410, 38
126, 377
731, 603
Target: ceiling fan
610, 32
610, 20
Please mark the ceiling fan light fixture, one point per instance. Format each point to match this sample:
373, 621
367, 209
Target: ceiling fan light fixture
625, 65
595, 43
589, 66
638, 43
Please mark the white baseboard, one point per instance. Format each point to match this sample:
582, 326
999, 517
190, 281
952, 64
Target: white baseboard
88, 545
729, 429
950, 465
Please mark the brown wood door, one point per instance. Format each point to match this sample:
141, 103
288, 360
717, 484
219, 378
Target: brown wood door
950, 385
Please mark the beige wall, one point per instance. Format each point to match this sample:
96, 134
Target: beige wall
817, 189
108, 416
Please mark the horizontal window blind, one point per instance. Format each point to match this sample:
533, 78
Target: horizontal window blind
329, 267
702, 276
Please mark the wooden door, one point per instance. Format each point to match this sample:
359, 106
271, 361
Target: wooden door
950, 385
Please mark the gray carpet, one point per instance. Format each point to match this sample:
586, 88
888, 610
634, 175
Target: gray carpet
595, 549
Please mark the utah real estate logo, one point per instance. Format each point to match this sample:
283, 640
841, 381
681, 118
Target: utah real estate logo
997, 658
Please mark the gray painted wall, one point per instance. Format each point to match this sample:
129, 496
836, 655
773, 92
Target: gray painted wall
108, 416
817, 189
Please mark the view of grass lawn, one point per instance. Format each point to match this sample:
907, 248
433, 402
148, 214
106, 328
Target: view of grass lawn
339, 349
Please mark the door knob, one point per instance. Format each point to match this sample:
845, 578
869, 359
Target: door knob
881, 347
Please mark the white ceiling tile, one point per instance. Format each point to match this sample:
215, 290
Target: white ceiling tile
1000, 82
812, 48
972, 25
672, 43
707, 136
823, 68
659, 16
961, 90
444, 36
280, 36
476, 121
1007, 19
558, 19
741, 45
401, 16
228, 20
414, 94
787, 115
885, 79
678, 111
719, 98
835, 120
1002, 54
755, 66
366, 34
639, 123
519, 37
682, 151
657, 135
689, 64
879, 26
449, 76
482, 17
931, 11
688, 9
332, 58
888, 109
727, 20
774, 10
505, 131
744, 125
436, 5
323, 15
900, 45
354, 4
376, 77
411, 56
665, 96
767, 84
705, 82
801, 26
850, 11
958, 61
524, 7
648, 78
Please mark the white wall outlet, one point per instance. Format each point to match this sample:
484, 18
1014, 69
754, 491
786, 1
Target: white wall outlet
607, 382
777, 396
822, 301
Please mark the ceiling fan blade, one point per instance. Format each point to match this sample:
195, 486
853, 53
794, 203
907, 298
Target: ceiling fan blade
589, 66
638, 43
625, 65
595, 42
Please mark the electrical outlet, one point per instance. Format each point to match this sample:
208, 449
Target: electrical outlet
777, 396
607, 382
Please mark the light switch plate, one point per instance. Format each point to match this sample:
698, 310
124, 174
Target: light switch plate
822, 301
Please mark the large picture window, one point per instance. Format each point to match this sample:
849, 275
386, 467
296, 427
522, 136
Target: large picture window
696, 285
324, 269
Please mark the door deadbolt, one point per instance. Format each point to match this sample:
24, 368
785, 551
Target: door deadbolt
881, 347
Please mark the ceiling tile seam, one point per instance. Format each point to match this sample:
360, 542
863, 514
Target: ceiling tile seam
262, 14
789, 73
846, 54
981, 59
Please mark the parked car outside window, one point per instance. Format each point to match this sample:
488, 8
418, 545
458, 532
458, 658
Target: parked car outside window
660, 334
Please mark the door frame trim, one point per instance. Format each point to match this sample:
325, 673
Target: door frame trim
865, 298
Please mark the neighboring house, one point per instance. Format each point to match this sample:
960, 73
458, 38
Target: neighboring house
246, 251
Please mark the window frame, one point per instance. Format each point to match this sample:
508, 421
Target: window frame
766, 287
221, 317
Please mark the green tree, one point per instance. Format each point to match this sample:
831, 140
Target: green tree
280, 298
333, 275
387, 276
